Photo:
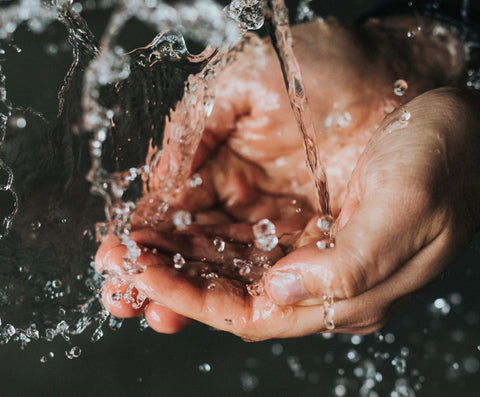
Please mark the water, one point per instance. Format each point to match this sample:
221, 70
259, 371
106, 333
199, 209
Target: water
42, 299
281, 36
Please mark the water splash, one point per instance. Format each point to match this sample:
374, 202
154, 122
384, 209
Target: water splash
281, 36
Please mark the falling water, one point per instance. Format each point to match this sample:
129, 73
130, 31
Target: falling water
277, 17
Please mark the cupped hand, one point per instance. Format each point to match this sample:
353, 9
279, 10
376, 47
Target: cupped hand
404, 217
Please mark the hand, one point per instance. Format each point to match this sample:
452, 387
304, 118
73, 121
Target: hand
339, 272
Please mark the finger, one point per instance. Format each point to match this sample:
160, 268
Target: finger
205, 249
108, 243
369, 248
227, 306
163, 320
370, 311
121, 299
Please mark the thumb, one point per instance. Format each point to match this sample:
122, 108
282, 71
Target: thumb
369, 246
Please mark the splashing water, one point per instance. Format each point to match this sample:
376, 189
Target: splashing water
281, 36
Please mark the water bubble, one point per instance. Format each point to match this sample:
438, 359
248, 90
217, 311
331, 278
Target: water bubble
400, 87
51, 354
264, 232
178, 261
43, 359
74, 352
219, 244
205, 368
182, 219
10, 330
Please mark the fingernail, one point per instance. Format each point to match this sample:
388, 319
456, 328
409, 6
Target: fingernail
286, 288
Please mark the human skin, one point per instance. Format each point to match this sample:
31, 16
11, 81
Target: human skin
402, 172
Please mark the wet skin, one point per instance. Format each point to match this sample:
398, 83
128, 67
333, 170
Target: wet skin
402, 172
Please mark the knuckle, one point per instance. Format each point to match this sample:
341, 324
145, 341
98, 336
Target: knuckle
353, 274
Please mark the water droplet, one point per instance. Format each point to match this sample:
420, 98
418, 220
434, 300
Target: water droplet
56, 284
178, 261
43, 359
247, 13
265, 238
325, 223
400, 87
195, 180
277, 349
10, 330
256, 288
74, 352
356, 339
353, 356
248, 381
440, 307
328, 313
117, 296
219, 244
204, 368
323, 244
389, 338
244, 270
400, 364
182, 219
21, 122
97, 335
471, 365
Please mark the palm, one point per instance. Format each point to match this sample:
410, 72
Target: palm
252, 163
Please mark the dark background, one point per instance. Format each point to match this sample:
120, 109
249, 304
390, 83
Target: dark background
131, 362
